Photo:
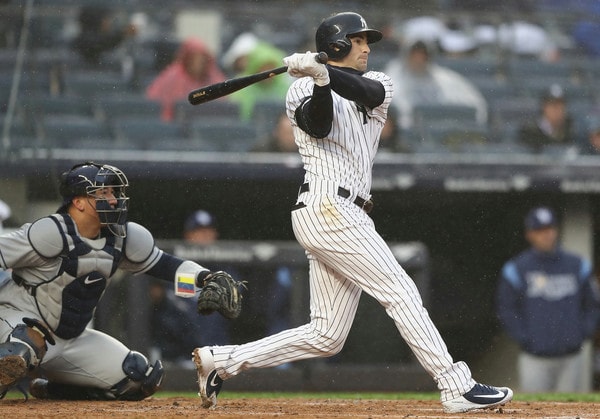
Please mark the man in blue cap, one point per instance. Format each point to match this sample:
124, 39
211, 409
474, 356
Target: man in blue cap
548, 302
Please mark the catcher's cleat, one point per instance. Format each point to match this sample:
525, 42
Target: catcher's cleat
38, 388
14, 360
481, 396
208, 380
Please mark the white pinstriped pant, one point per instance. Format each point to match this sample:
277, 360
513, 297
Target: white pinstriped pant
346, 256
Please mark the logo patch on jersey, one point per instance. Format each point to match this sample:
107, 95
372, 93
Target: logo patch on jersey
91, 278
184, 285
88, 280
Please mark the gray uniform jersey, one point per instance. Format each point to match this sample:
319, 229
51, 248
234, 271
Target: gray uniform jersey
58, 278
346, 254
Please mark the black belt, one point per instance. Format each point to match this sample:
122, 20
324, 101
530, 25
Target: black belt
365, 205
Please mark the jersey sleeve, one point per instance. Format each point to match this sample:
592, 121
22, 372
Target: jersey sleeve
16, 250
140, 250
380, 112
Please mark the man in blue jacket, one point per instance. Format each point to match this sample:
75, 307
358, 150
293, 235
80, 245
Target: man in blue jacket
548, 302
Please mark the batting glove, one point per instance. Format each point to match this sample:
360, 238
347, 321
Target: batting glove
306, 64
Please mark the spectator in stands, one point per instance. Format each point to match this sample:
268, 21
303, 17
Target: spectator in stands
586, 32
176, 326
526, 39
98, 33
548, 302
553, 126
586, 35
280, 139
235, 58
418, 80
592, 145
457, 43
263, 57
194, 66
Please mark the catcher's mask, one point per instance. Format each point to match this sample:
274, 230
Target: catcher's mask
87, 179
333, 34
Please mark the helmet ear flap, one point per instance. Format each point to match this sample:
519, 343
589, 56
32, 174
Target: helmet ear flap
339, 49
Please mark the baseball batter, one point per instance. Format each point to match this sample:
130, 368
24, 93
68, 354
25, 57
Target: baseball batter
61, 264
338, 111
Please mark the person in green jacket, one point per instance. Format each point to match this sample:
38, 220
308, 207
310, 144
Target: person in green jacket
263, 57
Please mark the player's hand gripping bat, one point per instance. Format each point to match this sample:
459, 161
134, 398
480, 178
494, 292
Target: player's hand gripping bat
217, 90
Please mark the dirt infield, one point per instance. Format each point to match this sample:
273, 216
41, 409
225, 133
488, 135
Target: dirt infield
179, 407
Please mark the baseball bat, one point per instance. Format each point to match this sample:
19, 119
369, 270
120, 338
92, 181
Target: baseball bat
217, 90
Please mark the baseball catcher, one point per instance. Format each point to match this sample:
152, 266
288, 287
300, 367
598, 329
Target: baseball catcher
60, 266
220, 292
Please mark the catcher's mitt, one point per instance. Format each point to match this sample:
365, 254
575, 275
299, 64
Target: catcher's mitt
220, 292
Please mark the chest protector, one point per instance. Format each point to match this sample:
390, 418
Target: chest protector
68, 299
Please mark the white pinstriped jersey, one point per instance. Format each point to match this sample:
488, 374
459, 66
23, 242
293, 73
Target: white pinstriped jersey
346, 254
345, 156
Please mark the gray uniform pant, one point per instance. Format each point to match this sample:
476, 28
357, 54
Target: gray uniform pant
91, 359
562, 374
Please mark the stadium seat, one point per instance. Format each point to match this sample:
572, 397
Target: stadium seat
116, 105
518, 68
19, 133
512, 111
471, 66
94, 83
423, 114
266, 114
138, 132
493, 88
223, 134
184, 111
457, 135
64, 131
41, 105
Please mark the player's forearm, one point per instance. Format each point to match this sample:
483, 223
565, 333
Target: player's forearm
168, 266
315, 114
352, 86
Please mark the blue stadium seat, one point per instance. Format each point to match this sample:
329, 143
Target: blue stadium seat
493, 88
457, 135
517, 68
64, 131
138, 132
423, 114
116, 105
223, 108
223, 134
266, 114
94, 83
41, 105
471, 66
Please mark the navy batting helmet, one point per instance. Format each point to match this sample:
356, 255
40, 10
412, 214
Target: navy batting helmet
332, 34
87, 178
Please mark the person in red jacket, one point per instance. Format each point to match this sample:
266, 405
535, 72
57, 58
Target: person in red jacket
194, 66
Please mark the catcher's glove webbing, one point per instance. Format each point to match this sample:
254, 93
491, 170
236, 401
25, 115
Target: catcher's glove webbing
220, 292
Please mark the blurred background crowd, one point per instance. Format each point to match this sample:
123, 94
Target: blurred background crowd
515, 77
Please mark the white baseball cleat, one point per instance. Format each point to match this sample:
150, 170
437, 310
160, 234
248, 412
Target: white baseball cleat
208, 380
481, 396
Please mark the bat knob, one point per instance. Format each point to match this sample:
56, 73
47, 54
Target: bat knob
322, 57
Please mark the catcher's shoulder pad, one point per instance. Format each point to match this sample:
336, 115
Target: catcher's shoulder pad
139, 243
45, 237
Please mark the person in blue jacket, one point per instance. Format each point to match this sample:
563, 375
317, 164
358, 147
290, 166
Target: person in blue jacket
547, 301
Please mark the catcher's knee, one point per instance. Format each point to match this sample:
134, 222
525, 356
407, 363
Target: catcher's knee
142, 379
28, 340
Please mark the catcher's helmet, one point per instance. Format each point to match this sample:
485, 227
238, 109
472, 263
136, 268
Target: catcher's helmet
332, 34
87, 178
